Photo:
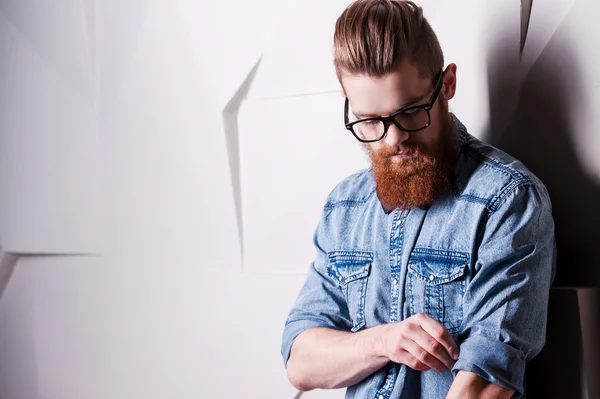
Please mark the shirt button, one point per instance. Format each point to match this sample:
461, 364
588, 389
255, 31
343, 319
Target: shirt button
432, 277
381, 397
394, 281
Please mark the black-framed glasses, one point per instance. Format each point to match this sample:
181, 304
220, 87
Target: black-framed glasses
410, 119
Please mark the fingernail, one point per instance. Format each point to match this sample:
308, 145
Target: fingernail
454, 354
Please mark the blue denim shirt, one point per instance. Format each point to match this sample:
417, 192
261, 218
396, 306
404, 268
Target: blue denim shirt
481, 261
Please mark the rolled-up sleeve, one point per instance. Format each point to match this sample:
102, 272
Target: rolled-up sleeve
506, 303
320, 302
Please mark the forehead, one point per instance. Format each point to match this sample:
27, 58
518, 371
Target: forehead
382, 96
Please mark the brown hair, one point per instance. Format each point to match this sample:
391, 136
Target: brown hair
372, 37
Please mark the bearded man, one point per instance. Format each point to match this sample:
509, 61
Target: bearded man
433, 266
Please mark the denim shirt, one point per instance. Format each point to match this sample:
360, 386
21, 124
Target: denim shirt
480, 260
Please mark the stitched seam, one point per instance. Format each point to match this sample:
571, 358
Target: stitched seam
440, 253
499, 200
487, 161
348, 202
357, 219
473, 198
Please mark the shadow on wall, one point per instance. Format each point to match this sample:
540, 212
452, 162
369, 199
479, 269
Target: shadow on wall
541, 135
19, 369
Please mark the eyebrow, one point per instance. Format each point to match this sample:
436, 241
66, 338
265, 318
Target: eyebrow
410, 102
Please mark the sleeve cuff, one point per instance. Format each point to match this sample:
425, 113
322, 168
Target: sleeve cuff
494, 361
295, 328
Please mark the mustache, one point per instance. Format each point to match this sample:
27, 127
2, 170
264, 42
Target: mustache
409, 149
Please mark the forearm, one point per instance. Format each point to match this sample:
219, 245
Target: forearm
326, 358
468, 385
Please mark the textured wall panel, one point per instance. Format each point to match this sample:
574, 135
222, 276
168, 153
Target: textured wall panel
49, 153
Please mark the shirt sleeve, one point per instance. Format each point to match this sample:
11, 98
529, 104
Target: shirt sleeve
506, 303
320, 302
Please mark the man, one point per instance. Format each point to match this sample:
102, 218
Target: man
433, 266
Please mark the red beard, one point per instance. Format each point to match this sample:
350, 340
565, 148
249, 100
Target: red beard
419, 180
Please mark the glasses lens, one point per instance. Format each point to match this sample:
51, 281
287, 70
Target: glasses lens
369, 130
414, 119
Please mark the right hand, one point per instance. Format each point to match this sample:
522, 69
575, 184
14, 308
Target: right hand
421, 343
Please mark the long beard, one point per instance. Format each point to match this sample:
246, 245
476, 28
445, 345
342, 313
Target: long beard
421, 179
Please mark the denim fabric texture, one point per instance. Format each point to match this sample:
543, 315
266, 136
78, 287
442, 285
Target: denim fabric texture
481, 261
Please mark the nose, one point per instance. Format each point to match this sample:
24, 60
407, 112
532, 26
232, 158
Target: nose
395, 136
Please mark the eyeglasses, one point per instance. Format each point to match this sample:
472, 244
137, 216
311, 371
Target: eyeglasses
409, 119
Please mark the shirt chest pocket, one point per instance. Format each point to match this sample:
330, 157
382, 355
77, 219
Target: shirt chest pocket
436, 285
351, 270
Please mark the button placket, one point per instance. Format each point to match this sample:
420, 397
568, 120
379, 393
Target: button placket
396, 242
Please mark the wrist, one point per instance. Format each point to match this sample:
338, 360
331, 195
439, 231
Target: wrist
379, 341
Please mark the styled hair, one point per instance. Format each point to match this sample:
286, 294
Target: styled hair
373, 37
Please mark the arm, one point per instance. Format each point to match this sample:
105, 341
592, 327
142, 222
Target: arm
318, 349
468, 385
326, 358
506, 302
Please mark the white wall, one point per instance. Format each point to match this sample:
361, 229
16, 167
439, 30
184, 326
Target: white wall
115, 145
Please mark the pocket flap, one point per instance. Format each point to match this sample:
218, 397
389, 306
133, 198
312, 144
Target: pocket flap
438, 266
347, 266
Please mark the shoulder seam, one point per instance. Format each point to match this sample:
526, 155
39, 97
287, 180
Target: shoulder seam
494, 163
477, 155
499, 199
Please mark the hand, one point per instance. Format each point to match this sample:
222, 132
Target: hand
421, 343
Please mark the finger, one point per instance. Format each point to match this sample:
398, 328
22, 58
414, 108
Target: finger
427, 342
422, 355
409, 360
439, 333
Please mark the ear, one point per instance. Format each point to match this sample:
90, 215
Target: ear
449, 83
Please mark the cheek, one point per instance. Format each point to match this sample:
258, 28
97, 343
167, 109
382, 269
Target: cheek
374, 147
428, 137
431, 136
